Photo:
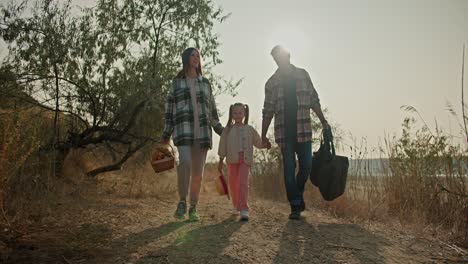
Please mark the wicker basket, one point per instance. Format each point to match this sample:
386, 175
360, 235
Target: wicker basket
164, 164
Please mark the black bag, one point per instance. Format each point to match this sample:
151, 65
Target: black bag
329, 172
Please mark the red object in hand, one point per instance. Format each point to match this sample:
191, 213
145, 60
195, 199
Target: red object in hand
221, 186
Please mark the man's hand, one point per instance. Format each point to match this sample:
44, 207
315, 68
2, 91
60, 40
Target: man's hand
220, 166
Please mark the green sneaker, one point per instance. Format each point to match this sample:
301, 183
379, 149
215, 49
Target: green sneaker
181, 210
193, 216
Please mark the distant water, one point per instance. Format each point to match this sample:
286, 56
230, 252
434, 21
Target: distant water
380, 167
366, 167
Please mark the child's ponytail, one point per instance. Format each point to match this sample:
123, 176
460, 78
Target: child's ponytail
229, 123
246, 115
246, 110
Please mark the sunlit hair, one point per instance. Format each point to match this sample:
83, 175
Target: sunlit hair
185, 63
278, 49
245, 107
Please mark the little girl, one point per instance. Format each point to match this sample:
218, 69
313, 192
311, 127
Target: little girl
236, 145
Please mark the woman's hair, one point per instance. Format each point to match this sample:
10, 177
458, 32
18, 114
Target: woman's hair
246, 112
185, 63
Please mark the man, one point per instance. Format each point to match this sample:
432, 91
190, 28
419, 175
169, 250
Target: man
289, 96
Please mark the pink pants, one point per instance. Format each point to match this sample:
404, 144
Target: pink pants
238, 177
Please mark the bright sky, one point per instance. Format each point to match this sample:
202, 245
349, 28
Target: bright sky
366, 58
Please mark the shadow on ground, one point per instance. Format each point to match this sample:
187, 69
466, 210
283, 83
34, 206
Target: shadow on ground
302, 242
205, 244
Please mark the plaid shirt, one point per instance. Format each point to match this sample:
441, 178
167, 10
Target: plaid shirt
179, 114
273, 106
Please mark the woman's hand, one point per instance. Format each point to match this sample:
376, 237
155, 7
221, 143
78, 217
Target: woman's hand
220, 167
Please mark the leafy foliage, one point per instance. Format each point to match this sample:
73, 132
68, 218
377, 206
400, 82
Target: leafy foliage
108, 66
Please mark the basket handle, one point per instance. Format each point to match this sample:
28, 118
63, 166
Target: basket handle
172, 148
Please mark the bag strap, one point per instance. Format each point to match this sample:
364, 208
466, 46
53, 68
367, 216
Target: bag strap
328, 140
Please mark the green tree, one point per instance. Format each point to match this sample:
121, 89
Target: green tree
108, 67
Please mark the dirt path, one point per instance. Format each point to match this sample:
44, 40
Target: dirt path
144, 231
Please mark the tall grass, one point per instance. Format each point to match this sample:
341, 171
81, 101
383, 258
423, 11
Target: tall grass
429, 179
418, 179
30, 189
266, 179
18, 142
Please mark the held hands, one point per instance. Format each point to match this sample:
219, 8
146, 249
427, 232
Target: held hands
266, 143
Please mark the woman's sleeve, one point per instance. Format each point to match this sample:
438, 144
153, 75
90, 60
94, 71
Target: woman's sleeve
169, 114
218, 128
222, 148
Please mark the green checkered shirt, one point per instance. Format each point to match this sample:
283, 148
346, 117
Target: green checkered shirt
179, 113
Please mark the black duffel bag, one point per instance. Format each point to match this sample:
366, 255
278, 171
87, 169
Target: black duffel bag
329, 171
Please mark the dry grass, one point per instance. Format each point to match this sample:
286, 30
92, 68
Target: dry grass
29, 189
18, 142
422, 183
136, 179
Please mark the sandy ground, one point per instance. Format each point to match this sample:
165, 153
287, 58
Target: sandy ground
121, 230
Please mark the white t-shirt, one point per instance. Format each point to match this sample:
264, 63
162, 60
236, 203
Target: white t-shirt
194, 87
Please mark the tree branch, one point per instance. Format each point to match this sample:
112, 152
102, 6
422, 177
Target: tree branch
117, 165
462, 93
157, 31
107, 133
23, 76
452, 192
57, 105
104, 101
33, 102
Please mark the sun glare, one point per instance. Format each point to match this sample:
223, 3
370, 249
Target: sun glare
292, 38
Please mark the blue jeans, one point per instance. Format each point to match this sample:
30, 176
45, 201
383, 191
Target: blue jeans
295, 184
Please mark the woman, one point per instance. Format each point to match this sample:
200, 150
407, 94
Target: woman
190, 114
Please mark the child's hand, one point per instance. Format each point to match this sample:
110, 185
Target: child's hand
220, 167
